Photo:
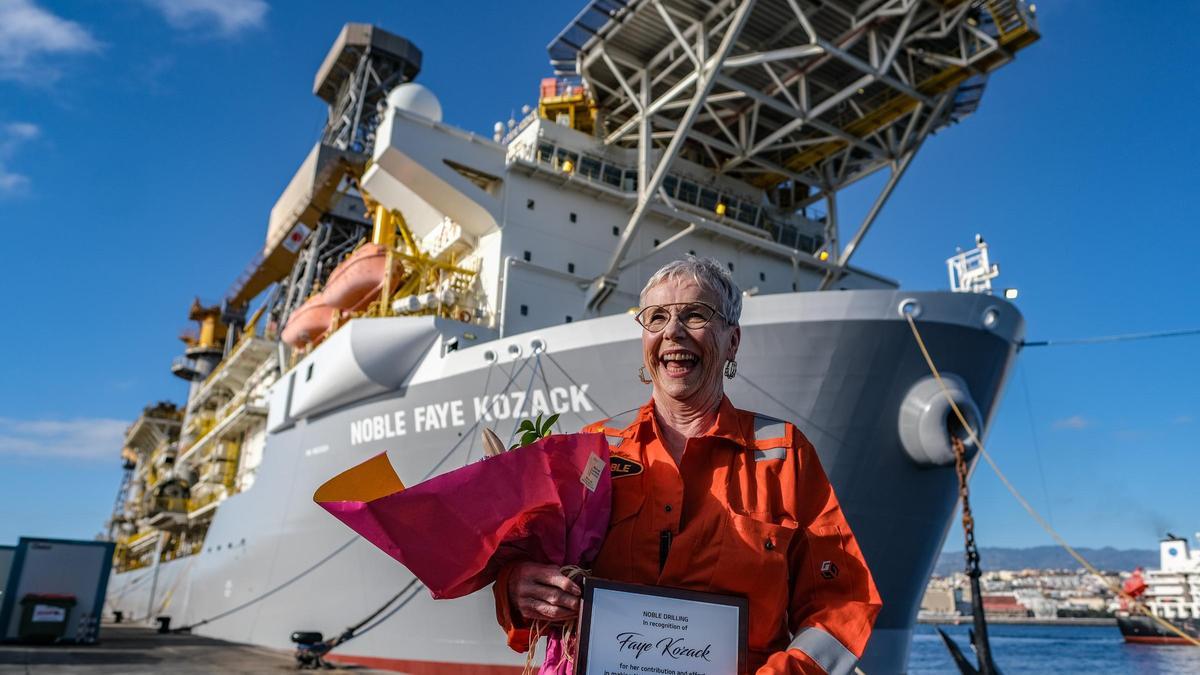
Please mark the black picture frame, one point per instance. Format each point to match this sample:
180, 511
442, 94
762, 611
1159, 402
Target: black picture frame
591, 585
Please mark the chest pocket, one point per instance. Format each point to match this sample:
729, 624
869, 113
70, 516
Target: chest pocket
754, 563
616, 555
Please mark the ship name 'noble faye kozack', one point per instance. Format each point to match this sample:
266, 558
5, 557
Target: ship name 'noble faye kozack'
419, 281
488, 408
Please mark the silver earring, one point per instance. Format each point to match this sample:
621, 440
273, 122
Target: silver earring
642, 376
730, 368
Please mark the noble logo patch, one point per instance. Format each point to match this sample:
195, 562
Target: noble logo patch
829, 570
623, 466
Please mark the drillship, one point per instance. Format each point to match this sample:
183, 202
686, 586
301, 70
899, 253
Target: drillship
419, 282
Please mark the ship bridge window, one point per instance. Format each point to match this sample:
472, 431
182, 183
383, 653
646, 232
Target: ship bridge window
612, 175
631, 181
564, 155
785, 234
688, 191
545, 153
670, 184
708, 199
748, 214
590, 167
731, 206
806, 243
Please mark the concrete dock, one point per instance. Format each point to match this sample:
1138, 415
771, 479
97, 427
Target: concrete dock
136, 649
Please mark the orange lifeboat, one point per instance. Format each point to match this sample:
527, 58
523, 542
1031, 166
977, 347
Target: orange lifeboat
308, 322
357, 278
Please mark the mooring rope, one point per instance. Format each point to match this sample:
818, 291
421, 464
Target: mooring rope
1117, 590
1127, 337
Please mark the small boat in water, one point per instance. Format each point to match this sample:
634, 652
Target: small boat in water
1167, 595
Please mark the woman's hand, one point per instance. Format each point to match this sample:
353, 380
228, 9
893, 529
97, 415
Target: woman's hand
541, 592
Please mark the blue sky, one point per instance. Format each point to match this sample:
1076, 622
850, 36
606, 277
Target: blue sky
143, 142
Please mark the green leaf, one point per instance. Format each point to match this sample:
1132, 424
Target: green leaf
515, 446
526, 425
537, 426
529, 437
549, 425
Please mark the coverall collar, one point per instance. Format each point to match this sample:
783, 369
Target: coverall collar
729, 425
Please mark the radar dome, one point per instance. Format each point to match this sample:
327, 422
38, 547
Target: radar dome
417, 99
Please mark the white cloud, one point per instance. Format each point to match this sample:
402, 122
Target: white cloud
21, 131
1072, 422
12, 136
1183, 419
228, 17
85, 438
12, 183
29, 33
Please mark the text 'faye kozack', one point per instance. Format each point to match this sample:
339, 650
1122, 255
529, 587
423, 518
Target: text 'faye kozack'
488, 408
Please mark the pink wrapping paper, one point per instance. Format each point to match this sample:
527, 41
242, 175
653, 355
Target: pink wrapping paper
455, 531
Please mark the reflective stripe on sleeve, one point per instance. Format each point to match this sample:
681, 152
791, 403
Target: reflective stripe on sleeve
615, 441
825, 650
773, 453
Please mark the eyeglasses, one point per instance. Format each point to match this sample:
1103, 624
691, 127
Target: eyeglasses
693, 315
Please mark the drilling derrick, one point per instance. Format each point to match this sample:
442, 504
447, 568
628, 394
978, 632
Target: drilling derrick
798, 97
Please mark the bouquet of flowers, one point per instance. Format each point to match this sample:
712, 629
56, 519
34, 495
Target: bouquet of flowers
548, 501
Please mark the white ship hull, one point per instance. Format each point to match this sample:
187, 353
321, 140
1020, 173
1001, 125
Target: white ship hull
837, 364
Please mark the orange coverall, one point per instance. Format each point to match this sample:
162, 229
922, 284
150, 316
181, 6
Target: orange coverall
747, 511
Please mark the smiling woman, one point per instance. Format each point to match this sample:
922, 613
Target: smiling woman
710, 498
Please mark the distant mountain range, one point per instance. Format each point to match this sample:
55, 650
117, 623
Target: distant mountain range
1049, 558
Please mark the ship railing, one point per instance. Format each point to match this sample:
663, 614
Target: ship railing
138, 538
710, 202
198, 503
170, 505
515, 131
237, 355
227, 419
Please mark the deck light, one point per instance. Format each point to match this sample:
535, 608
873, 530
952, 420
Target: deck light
720, 209
823, 256
567, 166
1011, 293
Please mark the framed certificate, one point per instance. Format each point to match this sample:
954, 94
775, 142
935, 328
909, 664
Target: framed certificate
629, 629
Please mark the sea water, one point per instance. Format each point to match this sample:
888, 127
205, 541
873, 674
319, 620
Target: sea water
1092, 650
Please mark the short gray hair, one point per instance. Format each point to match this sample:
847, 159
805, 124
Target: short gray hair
710, 275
